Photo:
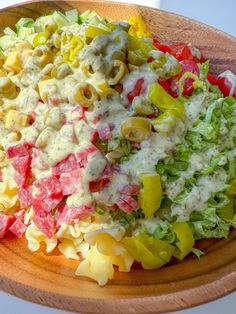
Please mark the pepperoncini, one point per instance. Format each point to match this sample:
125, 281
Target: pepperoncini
160, 98
138, 27
94, 31
136, 129
232, 188
40, 39
227, 212
166, 122
76, 44
151, 194
196, 84
151, 252
137, 44
185, 240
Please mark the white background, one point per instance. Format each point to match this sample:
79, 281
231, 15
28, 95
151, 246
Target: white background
218, 13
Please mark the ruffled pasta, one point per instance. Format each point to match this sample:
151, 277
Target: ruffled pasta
35, 237
9, 201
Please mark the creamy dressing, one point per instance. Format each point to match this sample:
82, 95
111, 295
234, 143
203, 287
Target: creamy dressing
196, 199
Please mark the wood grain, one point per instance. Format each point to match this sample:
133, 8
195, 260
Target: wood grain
50, 280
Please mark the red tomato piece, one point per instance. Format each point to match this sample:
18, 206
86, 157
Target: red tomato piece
47, 186
94, 136
70, 181
71, 215
22, 164
98, 185
127, 203
18, 228
161, 47
165, 84
150, 59
181, 51
138, 88
130, 189
82, 154
189, 66
5, 223
212, 79
67, 165
45, 224
104, 131
25, 197
225, 84
17, 150
78, 113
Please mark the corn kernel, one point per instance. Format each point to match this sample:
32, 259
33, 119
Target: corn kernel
13, 62
16, 120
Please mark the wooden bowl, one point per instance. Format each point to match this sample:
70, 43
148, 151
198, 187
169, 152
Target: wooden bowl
50, 279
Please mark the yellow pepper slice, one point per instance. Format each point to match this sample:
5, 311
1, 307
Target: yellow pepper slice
185, 239
196, 84
232, 189
151, 194
41, 39
94, 31
136, 129
227, 212
160, 98
166, 122
138, 27
151, 252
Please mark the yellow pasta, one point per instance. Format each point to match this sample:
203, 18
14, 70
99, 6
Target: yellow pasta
35, 237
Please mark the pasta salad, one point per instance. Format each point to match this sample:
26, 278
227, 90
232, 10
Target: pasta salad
114, 147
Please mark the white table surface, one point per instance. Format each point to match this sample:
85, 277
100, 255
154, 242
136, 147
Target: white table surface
218, 13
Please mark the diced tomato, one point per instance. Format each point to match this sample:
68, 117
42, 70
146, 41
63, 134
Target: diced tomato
47, 186
71, 215
190, 66
225, 84
150, 59
18, 228
138, 89
70, 181
25, 197
21, 164
98, 185
54, 101
130, 189
5, 223
104, 131
212, 79
29, 145
161, 47
17, 150
165, 84
45, 224
94, 136
82, 154
127, 203
78, 113
181, 51
67, 165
